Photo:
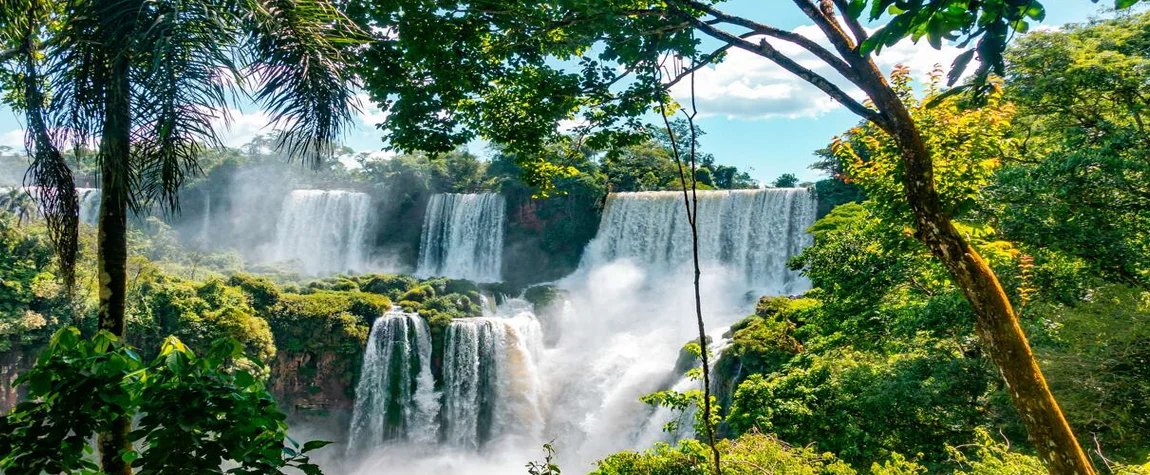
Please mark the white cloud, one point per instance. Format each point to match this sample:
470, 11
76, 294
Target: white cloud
369, 114
748, 86
13, 138
241, 127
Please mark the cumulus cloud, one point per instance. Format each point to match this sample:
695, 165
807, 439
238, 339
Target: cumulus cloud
369, 114
13, 138
239, 127
748, 86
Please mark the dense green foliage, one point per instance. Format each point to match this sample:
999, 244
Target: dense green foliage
33, 303
1077, 180
195, 414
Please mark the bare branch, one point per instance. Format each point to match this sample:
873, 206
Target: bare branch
705, 61
867, 77
832, 60
765, 50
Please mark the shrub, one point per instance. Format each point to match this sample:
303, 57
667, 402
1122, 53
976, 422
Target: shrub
750, 454
262, 292
391, 285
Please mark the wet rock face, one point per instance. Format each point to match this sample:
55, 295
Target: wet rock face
312, 387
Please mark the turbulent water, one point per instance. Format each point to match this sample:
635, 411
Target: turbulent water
750, 233
325, 231
463, 237
507, 388
395, 398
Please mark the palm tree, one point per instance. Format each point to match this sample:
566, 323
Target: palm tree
147, 80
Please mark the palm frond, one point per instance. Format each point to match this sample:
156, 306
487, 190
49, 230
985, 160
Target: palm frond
296, 51
48, 179
179, 93
77, 72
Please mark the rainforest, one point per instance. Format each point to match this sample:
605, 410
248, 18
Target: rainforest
576, 240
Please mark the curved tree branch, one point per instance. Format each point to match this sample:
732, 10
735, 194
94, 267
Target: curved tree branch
827, 56
765, 50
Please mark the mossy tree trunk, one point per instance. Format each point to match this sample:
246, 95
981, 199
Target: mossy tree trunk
115, 166
996, 324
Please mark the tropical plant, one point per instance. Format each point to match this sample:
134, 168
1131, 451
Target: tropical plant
786, 180
1077, 179
149, 81
194, 414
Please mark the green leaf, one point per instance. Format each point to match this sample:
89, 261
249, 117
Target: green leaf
1121, 4
244, 379
313, 445
177, 362
39, 383
129, 456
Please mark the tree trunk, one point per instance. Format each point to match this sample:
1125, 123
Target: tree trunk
115, 157
996, 323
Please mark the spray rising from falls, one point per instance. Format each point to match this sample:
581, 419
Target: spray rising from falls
751, 233
324, 230
395, 398
463, 237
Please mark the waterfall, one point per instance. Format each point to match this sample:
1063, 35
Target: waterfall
206, 219
628, 311
395, 398
89, 199
324, 230
89, 205
491, 383
751, 233
463, 237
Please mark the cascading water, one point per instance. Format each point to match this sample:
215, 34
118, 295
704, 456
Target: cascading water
751, 233
395, 398
89, 205
490, 380
325, 231
463, 237
206, 218
617, 338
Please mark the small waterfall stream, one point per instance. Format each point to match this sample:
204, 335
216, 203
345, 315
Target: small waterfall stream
325, 231
395, 398
89, 205
206, 218
463, 237
490, 379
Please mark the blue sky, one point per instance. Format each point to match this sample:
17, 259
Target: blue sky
755, 116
